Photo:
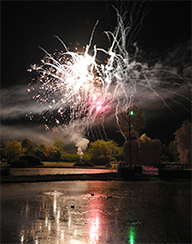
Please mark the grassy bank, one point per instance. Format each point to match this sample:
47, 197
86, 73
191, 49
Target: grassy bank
7, 178
47, 164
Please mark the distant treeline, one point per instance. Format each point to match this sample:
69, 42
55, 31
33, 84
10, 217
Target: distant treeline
144, 150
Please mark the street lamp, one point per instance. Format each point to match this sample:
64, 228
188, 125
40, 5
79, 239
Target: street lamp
131, 113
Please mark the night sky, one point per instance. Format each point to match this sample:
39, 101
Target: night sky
163, 37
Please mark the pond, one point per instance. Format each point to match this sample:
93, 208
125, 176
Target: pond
55, 171
81, 212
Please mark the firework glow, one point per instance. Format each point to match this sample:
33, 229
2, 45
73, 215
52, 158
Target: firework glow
81, 90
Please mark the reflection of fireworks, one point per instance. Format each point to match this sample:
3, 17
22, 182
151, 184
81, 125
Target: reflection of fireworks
80, 89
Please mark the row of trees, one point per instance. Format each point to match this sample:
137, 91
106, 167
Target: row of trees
14, 150
99, 152
132, 122
143, 149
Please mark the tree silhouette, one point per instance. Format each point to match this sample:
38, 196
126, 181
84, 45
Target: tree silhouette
134, 117
12, 150
59, 144
29, 145
183, 142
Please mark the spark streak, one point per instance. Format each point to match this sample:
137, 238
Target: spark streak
83, 90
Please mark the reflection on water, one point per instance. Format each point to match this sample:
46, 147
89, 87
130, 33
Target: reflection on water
95, 212
55, 171
94, 220
131, 235
94, 229
58, 221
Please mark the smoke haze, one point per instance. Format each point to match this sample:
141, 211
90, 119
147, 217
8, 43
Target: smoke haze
20, 115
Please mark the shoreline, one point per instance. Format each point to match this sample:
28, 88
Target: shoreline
60, 177
87, 177
6, 177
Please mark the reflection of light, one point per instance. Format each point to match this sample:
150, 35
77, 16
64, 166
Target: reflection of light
97, 222
132, 235
36, 241
54, 204
56, 209
46, 221
22, 238
62, 234
49, 227
69, 223
58, 215
94, 229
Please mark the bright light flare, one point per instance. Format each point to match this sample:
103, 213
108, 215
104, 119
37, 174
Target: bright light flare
99, 107
81, 89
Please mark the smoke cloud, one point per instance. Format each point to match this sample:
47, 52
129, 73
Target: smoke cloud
81, 146
170, 78
17, 103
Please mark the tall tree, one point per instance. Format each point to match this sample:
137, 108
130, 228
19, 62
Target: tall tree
169, 153
53, 154
147, 153
29, 145
98, 149
12, 150
1, 152
41, 151
102, 152
135, 117
183, 142
59, 144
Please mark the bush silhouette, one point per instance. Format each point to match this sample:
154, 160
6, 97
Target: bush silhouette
31, 160
18, 164
83, 164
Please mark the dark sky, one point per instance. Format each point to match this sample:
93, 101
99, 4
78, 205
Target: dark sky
163, 36
27, 25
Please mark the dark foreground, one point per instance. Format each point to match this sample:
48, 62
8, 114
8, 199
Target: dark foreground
81, 212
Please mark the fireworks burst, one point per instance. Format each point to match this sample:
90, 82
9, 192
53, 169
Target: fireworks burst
83, 90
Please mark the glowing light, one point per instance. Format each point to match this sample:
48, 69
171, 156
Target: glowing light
22, 239
131, 113
131, 235
84, 90
62, 234
98, 108
94, 230
49, 226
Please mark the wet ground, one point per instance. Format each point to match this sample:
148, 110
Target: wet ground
96, 212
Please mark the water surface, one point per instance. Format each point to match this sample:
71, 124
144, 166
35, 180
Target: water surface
96, 212
55, 171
